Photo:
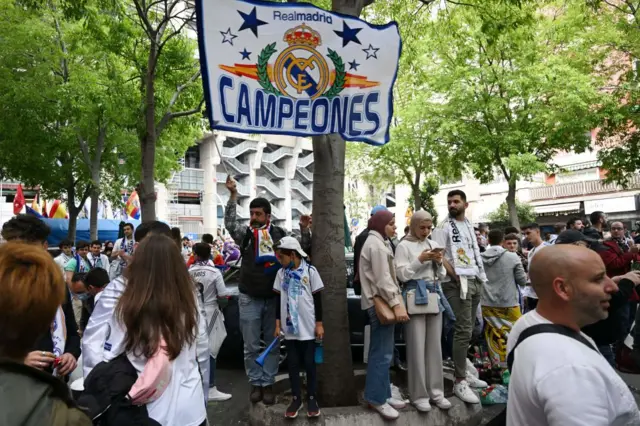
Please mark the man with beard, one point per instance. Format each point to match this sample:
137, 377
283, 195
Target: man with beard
258, 301
558, 377
462, 287
575, 223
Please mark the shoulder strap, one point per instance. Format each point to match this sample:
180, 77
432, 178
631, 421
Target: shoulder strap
547, 328
77, 263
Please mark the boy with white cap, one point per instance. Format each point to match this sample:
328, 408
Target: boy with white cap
299, 285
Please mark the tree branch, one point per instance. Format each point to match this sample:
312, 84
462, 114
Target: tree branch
171, 115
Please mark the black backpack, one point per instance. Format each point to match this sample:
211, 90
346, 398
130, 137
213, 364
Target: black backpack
501, 419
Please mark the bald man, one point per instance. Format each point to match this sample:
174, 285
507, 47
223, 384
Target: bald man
560, 379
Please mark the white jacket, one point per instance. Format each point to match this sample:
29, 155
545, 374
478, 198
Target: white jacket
94, 262
182, 403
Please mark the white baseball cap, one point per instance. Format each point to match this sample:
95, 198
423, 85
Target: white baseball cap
290, 243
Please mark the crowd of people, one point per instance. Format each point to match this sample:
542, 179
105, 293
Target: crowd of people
140, 319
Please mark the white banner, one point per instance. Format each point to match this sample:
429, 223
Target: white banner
295, 69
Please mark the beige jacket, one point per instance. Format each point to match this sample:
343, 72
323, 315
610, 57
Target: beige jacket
377, 272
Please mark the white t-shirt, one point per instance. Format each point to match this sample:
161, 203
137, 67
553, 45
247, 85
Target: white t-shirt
528, 291
311, 283
210, 285
558, 381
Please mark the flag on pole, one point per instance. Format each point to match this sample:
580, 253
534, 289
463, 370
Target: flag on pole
34, 210
295, 69
18, 201
133, 206
58, 211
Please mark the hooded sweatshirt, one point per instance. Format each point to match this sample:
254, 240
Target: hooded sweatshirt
504, 271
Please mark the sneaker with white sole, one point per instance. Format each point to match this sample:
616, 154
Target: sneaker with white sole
398, 404
442, 404
463, 391
471, 369
422, 405
396, 394
474, 382
216, 395
386, 411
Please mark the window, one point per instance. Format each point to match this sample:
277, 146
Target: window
192, 157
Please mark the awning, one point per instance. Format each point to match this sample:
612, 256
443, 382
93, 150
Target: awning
557, 208
580, 166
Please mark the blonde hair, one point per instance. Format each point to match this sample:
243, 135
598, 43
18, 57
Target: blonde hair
31, 291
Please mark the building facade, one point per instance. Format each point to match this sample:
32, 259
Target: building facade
278, 168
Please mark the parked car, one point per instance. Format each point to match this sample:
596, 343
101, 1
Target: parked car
232, 348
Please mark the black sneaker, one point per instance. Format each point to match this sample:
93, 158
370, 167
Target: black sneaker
313, 410
256, 394
293, 409
268, 397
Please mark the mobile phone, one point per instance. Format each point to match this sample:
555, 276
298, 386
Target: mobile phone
439, 249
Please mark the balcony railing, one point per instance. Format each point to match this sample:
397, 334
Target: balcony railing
272, 157
241, 168
186, 209
297, 205
243, 190
579, 188
274, 170
241, 148
305, 173
305, 161
306, 192
274, 189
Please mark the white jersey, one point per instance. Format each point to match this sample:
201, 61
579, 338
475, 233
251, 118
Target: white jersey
210, 285
61, 260
558, 381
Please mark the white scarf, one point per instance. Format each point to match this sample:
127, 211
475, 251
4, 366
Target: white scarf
461, 254
58, 334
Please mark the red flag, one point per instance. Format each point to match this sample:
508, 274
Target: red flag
18, 201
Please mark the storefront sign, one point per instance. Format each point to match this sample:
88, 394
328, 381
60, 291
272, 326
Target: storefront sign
611, 205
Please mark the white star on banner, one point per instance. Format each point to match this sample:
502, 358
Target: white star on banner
227, 37
371, 52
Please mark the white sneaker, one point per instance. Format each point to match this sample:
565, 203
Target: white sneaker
422, 405
398, 404
216, 395
474, 382
396, 394
463, 391
386, 411
443, 404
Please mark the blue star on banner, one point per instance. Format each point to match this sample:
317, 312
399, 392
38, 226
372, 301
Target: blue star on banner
245, 54
251, 21
372, 52
348, 34
227, 37
353, 65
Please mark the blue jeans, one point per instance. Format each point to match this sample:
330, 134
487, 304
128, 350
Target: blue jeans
377, 387
258, 319
607, 353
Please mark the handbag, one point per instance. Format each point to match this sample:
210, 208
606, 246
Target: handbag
383, 311
431, 308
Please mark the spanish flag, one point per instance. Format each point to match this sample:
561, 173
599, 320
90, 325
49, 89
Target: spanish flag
58, 211
133, 206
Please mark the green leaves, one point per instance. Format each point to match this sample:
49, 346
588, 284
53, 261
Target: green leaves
263, 63
338, 83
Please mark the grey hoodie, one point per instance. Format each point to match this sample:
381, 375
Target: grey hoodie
504, 271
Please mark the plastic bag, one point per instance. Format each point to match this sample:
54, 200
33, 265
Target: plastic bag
497, 394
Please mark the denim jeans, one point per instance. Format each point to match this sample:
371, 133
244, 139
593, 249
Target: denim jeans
377, 387
258, 319
607, 353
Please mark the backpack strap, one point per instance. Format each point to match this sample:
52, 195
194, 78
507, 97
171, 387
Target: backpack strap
547, 328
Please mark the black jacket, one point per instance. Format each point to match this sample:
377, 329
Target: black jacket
30, 397
87, 309
255, 281
72, 345
105, 395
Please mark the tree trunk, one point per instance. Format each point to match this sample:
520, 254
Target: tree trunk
146, 189
336, 383
73, 213
511, 204
93, 213
417, 198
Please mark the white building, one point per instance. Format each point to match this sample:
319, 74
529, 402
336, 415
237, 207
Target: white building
278, 168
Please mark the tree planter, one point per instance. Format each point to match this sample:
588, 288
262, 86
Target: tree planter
460, 414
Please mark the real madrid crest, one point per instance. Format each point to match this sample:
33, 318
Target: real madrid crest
300, 71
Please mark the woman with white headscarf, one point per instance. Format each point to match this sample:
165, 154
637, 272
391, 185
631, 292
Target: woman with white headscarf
419, 266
